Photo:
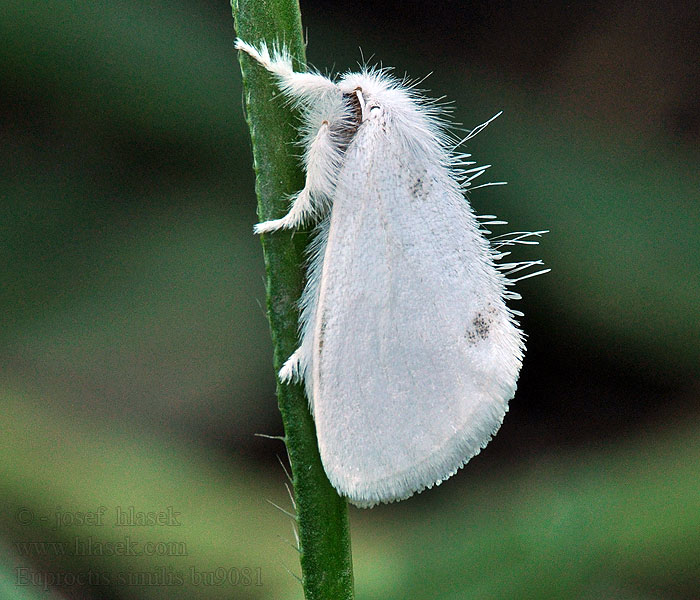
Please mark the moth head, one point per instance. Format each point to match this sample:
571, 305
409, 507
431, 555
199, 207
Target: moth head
378, 94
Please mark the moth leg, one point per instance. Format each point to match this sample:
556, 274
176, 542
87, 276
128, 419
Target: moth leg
302, 87
290, 371
301, 208
313, 200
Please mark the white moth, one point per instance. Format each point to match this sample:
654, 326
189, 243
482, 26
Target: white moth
408, 352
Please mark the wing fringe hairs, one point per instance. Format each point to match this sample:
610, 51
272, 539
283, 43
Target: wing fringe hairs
408, 353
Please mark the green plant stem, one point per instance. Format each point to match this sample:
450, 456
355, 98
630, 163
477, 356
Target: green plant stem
322, 515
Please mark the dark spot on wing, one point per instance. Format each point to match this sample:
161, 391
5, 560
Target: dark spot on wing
417, 187
421, 185
480, 328
321, 334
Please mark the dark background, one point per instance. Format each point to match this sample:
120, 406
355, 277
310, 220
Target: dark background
135, 355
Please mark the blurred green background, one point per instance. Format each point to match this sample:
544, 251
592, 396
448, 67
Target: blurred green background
136, 362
